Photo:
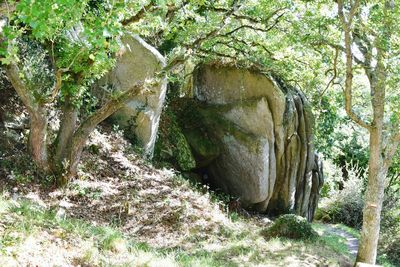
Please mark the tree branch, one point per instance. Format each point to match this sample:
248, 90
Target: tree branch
331, 81
6, 8
140, 14
173, 9
208, 51
339, 47
251, 44
215, 31
58, 75
110, 107
365, 46
27, 98
347, 24
252, 19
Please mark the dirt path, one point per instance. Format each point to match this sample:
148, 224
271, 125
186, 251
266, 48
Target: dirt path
352, 242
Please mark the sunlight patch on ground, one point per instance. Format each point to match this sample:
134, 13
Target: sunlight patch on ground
122, 210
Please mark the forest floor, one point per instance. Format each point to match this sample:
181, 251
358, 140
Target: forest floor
122, 211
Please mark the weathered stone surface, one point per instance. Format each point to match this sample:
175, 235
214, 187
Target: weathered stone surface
264, 130
137, 61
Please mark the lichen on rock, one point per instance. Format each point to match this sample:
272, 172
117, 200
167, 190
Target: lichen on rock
136, 62
263, 134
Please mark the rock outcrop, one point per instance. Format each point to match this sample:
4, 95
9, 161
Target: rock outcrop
137, 61
254, 138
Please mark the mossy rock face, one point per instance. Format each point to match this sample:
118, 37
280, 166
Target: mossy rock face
251, 136
291, 226
205, 150
264, 128
172, 145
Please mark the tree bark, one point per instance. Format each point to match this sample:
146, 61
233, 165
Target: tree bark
38, 119
67, 128
367, 251
80, 136
377, 168
380, 157
38, 140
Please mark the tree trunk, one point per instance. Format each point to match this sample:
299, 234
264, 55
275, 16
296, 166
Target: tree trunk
62, 143
38, 140
74, 155
78, 140
373, 201
38, 119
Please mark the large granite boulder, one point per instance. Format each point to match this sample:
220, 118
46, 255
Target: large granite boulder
136, 61
263, 132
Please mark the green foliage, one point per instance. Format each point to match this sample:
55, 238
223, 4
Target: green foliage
390, 227
337, 138
172, 145
49, 18
66, 35
327, 119
331, 239
389, 249
291, 226
342, 205
347, 212
36, 68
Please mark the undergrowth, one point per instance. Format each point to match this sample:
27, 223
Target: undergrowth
102, 245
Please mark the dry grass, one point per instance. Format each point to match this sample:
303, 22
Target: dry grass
124, 212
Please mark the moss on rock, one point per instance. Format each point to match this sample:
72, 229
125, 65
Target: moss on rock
172, 145
205, 149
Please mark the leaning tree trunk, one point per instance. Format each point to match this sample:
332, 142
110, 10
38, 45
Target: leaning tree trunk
74, 155
38, 140
67, 149
77, 141
38, 119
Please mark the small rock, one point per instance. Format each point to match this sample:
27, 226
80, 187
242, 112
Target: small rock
118, 245
61, 214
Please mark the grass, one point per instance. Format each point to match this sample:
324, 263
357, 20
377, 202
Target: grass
97, 245
25, 220
354, 232
337, 243
333, 241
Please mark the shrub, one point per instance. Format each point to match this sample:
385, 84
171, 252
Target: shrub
291, 226
389, 249
346, 205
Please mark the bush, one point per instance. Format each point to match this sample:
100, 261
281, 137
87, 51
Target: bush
389, 249
291, 226
346, 205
